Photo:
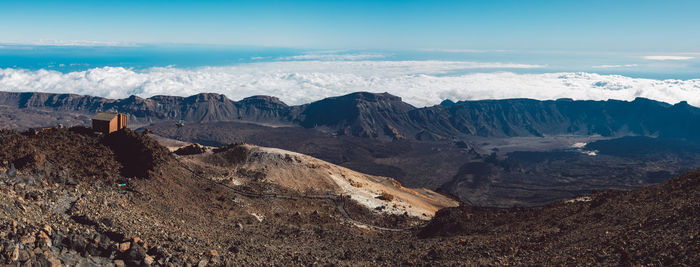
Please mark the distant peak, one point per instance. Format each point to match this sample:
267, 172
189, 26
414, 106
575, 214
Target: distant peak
372, 97
447, 103
263, 99
266, 98
134, 98
642, 100
207, 97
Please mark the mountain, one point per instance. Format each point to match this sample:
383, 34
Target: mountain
386, 116
197, 108
360, 114
527, 117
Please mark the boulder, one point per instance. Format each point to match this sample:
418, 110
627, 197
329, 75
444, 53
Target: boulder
136, 255
123, 247
44, 239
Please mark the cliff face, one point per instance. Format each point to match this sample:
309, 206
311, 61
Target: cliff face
360, 114
197, 108
386, 116
526, 117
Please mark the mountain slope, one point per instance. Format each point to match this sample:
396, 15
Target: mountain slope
656, 224
309, 175
68, 201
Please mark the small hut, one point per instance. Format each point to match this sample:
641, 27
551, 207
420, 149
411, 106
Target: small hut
108, 122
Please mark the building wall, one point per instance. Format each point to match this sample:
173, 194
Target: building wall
113, 125
121, 118
101, 126
107, 127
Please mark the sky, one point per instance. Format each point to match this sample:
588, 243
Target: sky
302, 51
640, 25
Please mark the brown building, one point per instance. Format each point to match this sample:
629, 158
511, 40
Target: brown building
108, 122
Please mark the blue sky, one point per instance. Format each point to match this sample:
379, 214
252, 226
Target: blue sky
645, 26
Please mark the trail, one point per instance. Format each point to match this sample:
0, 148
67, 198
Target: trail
340, 201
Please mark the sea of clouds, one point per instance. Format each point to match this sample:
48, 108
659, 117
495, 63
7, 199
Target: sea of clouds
420, 83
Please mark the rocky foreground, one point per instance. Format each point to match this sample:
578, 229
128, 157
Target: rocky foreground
69, 198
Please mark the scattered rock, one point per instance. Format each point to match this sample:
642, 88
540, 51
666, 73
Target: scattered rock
11, 253
46, 259
47, 229
124, 246
136, 255
192, 149
11, 172
27, 239
148, 260
119, 263
44, 239
24, 255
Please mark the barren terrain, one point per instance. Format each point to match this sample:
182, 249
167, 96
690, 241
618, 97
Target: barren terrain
58, 207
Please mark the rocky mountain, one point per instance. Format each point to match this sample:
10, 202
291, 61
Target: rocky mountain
359, 114
386, 116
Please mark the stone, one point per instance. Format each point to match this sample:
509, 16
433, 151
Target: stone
12, 253
24, 255
119, 263
202, 263
42, 259
157, 251
12, 172
54, 262
124, 246
135, 255
148, 260
77, 243
27, 239
57, 238
47, 229
44, 239
105, 245
213, 253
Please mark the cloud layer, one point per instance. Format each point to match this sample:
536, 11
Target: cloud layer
668, 58
420, 83
334, 57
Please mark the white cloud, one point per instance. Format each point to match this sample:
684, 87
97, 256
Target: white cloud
667, 57
334, 57
420, 83
614, 66
70, 43
464, 51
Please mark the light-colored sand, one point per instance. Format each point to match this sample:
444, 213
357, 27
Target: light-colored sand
310, 175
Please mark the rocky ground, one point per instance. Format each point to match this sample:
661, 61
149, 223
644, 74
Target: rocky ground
69, 197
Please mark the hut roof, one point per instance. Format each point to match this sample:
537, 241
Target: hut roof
104, 116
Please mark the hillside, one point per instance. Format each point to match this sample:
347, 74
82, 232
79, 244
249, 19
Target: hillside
242, 163
655, 225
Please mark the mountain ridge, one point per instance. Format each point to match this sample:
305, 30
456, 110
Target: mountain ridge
382, 115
